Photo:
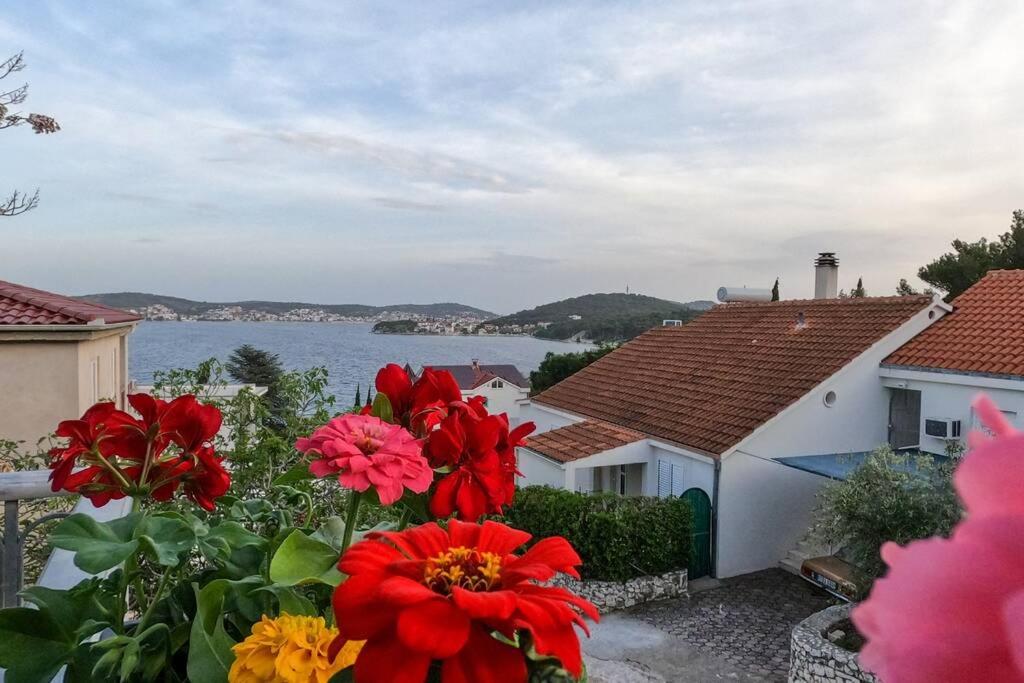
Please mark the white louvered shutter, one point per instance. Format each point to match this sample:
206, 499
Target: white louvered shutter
677, 480
664, 479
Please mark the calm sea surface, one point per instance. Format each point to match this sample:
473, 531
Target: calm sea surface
349, 351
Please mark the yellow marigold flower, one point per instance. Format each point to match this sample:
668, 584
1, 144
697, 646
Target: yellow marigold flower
290, 649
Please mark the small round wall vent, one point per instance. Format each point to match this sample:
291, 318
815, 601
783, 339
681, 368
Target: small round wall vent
830, 398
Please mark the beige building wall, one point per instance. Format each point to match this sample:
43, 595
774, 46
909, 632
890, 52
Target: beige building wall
46, 377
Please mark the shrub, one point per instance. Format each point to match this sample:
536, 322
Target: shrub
890, 497
619, 538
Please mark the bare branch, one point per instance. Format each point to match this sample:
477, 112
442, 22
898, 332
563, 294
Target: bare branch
18, 203
16, 96
15, 63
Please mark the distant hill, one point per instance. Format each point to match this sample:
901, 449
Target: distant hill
139, 300
601, 317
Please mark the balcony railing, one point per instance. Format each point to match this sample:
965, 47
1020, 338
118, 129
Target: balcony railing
59, 571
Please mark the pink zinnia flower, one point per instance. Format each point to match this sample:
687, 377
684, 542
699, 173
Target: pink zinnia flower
364, 451
953, 610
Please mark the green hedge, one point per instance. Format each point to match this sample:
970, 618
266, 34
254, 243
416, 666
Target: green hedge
619, 538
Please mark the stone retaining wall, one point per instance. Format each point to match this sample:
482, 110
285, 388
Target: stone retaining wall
814, 659
612, 595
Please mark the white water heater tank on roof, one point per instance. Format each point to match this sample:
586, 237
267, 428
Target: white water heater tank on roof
727, 294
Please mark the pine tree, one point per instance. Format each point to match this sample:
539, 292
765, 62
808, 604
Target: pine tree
775, 290
858, 291
359, 398
369, 398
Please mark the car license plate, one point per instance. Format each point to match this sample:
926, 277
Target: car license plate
824, 581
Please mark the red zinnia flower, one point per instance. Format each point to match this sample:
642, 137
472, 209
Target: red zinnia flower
427, 594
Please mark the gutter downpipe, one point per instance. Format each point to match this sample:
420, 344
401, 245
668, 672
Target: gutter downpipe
714, 518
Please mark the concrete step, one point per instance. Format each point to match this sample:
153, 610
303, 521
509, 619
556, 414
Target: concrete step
791, 565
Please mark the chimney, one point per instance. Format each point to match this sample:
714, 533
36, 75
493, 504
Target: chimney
476, 365
826, 276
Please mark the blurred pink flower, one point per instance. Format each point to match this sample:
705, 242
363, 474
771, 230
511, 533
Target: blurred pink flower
953, 610
364, 451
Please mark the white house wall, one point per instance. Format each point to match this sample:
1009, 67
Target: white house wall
764, 509
950, 395
503, 400
546, 419
697, 472
538, 470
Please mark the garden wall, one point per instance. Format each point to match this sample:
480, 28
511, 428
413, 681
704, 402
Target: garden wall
608, 596
813, 658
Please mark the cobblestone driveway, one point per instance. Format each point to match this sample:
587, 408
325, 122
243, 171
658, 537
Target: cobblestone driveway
746, 621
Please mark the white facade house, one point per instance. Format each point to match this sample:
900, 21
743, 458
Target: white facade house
503, 386
758, 405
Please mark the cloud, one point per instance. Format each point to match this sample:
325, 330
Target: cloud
543, 149
407, 204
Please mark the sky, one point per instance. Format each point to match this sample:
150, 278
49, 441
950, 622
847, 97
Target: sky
506, 154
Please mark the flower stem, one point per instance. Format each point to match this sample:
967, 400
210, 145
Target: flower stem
355, 497
404, 520
161, 587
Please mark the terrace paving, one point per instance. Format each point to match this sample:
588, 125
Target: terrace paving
737, 630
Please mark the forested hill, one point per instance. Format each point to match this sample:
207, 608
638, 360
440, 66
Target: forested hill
139, 300
600, 317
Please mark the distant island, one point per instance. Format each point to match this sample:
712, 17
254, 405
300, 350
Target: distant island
161, 307
594, 317
611, 317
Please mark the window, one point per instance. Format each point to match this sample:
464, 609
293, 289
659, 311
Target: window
497, 384
622, 480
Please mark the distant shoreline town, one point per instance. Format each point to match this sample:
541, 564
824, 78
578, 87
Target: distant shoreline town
162, 313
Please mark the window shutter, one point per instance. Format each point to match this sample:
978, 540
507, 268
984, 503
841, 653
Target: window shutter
664, 479
677, 480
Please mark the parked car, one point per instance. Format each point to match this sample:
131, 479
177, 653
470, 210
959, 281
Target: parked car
836, 575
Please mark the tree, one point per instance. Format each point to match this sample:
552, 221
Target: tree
904, 288
858, 291
775, 290
369, 398
250, 365
20, 202
557, 366
891, 496
359, 398
955, 271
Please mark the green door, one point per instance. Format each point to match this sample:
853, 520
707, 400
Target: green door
700, 549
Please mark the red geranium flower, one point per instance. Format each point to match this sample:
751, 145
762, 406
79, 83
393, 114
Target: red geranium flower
480, 452
417, 407
123, 455
427, 594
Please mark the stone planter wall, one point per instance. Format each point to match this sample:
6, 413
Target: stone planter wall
612, 595
813, 658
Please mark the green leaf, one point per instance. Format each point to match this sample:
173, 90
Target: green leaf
165, 537
35, 646
98, 546
303, 559
291, 601
80, 611
209, 654
296, 474
218, 544
382, 408
331, 532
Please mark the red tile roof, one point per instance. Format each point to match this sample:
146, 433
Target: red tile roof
20, 305
579, 440
983, 334
708, 384
470, 377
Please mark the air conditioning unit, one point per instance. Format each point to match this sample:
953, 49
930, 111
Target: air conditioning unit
942, 428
